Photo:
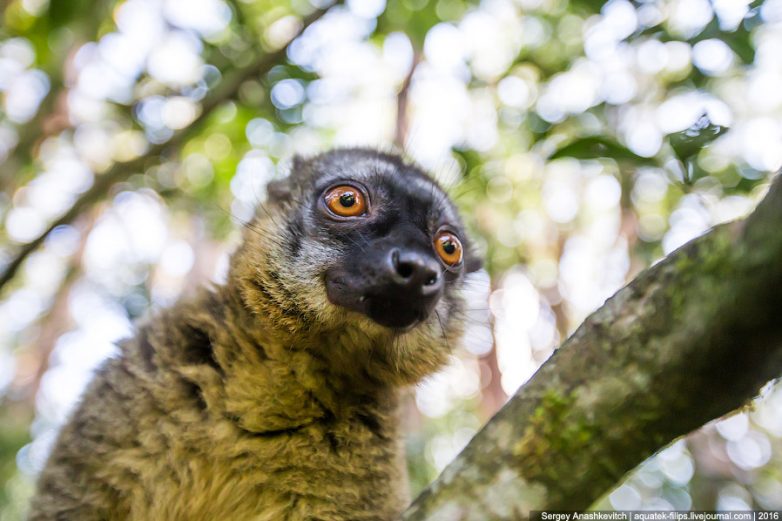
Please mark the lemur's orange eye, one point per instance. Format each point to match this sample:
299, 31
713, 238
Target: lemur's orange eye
448, 248
346, 201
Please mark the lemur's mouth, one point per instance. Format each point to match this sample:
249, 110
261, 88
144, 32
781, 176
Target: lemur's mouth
395, 313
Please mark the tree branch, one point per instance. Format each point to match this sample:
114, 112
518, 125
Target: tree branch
52, 113
689, 340
402, 103
226, 90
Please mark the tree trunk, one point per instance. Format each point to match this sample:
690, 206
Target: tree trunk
690, 339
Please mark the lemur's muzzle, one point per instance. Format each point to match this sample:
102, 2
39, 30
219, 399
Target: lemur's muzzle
397, 287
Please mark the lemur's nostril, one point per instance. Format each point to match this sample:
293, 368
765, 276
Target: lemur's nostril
430, 281
404, 269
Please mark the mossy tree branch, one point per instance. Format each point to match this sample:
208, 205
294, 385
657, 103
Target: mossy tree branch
226, 90
690, 339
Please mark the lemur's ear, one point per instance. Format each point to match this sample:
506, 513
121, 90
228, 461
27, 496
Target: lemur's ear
297, 165
472, 262
279, 191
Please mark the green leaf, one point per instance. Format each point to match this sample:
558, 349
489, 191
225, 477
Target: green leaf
595, 147
689, 142
413, 17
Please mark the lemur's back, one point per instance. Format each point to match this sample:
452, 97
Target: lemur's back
166, 433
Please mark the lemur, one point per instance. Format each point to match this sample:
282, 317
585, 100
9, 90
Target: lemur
274, 396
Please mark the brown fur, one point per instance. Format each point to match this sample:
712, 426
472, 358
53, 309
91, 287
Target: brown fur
257, 400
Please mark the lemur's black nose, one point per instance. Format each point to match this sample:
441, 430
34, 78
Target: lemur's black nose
415, 272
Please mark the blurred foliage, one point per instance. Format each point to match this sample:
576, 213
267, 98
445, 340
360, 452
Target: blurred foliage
13, 437
583, 139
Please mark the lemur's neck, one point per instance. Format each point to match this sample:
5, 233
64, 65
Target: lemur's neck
276, 379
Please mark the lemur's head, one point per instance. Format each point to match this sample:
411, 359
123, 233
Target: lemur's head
365, 250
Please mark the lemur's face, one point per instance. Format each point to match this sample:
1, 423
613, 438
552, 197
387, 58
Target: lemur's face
368, 247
